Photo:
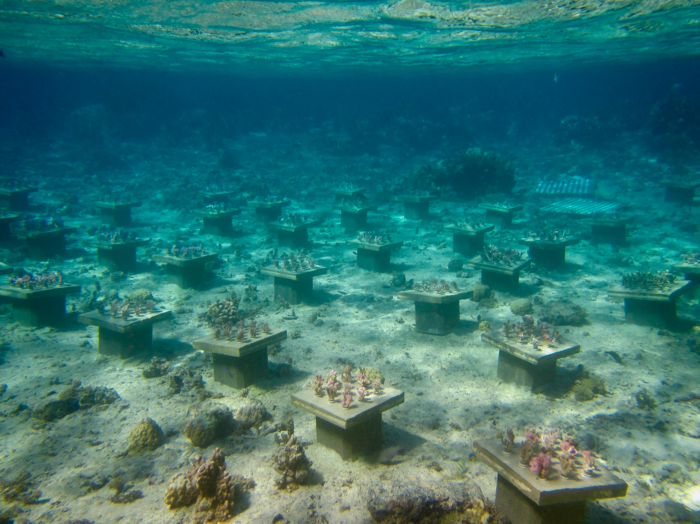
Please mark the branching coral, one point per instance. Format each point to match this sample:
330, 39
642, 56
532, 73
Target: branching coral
469, 224
648, 281
223, 312
117, 237
373, 238
186, 251
549, 235
294, 262
441, 287
505, 257
537, 334
33, 281
291, 462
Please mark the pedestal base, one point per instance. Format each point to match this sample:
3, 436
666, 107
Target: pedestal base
294, 239
521, 510
680, 195
293, 291
118, 260
378, 261
240, 372
187, 277
46, 246
15, 201
416, 210
119, 217
613, 235
651, 313
353, 221
548, 258
127, 344
5, 231
266, 214
49, 311
362, 439
500, 218
436, 319
218, 226
467, 245
513, 370
500, 281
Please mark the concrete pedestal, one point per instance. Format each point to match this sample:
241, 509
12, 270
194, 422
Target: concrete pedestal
416, 207
117, 215
680, 193
125, 337
656, 308
187, 272
500, 278
293, 236
240, 364
501, 215
5, 269
119, 256
48, 244
348, 194
374, 257
435, 314
218, 197
551, 255
609, 231
294, 286
268, 211
522, 365
42, 307
218, 224
524, 498
468, 242
16, 199
353, 218
349, 432
5, 232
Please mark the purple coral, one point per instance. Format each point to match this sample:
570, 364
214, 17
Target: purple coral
540, 464
347, 400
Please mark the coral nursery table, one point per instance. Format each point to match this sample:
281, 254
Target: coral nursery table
268, 211
240, 364
680, 192
499, 276
294, 286
217, 223
294, 236
5, 221
611, 231
117, 214
416, 207
353, 218
125, 336
39, 307
500, 214
5, 269
47, 244
468, 242
374, 257
655, 307
186, 272
349, 432
524, 498
341, 194
436, 314
16, 199
523, 365
119, 256
548, 253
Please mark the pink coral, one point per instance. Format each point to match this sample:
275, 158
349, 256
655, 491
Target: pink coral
540, 465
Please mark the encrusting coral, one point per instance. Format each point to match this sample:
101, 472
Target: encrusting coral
208, 484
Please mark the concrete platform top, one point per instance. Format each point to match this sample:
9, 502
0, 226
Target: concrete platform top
499, 268
434, 298
501, 208
8, 218
269, 205
679, 185
116, 206
185, 262
117, 246
293, 228
60, 231
214, 194
5, 269
688, 269
526, 352
300, 274
354, 210
413, 199
216, 214
37, 294
349, 192
375, 247
470, 232
549, 244
670, 294
357, 413
124, 325
23, 191
555, 489
233, 348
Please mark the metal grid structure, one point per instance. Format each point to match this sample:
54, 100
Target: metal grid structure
581, 207
576, 186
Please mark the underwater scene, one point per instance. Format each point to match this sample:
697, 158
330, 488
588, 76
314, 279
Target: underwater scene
324, 262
